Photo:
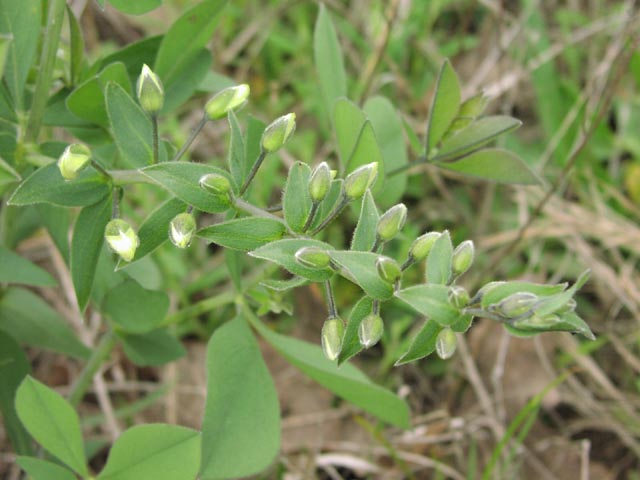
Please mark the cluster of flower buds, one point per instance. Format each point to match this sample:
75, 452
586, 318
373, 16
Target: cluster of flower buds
121, 238
231, 98
73, 160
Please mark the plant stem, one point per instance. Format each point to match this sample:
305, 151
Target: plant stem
420, 160
331, 217
191, 138
408, 262
55, 16
331, 303
154, 126
99, 355
311, 217
101, 170
199, 308
253, 171
243, 205
128, 177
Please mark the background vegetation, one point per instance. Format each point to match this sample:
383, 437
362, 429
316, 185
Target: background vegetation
548, 407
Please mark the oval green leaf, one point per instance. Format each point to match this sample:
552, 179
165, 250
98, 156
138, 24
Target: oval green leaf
283, 253
244, 233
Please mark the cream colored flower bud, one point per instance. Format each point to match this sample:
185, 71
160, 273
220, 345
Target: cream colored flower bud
226, 100
422, 245
73, 160
516, 304
391, 222
121, 238
320, 182
278, 133
370, 330
458, 297
332, 332
358, 181
446, 343
388, 269
182, 229
313, 257
463, 257
150, 91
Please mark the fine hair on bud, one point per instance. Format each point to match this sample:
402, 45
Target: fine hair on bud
358, 181
391, 222
150, 91
331, 336
320, 182
227, 100
278, 133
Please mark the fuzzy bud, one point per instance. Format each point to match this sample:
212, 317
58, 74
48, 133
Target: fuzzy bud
218, 185
226, 100
358, 181
73, 160
278, 133
320, 182
121, 238
421, 246
463, 257
182, 229
370, 330
150, 91
446, 343
458, 297
388, 269
332, 332
516, 304
313, 257
391, 222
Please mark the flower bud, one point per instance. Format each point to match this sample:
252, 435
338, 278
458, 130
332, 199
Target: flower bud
357, 182
534, 322
458, 297
570, 306
182, 229
421, 246
121, 238
332, 331
516, 304
370, 330
391, 222
226, 100
218, 185
462, 257
278, 133
320, 182
74, 158
474, 106
388, 269
313, 257
150, 91
446, 343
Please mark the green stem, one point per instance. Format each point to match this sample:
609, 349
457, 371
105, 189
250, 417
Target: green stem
128, 177
100, 353
191, 138
154, 126
55, 16
311, 217
418, 161
246, 207
408, 262
199, 308
253, 172
101, 170
332, 216
331, 303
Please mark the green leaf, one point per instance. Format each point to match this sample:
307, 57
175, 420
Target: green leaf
134, 308
329, 203
43, 470
14, 366
476, 135
432, 301
439, 267
283, 253
253, 141
360, 268
184, 40
494, 164
131, 127
348, 121
243, 233
16, 269
76, 47
423, 344
135, 8
31, 320
351, 341
52, 422
445, 105
346, 381
134, 55
57, 221
389, 132
366, 151
364, 235
187, 81
88, 101
284, 285
238, 165
182, 180
46, 185
152, 348
8, 176
296, 201
549, 305
328, 60
158, 451
240, 397
21, 20
88, 237
154, 231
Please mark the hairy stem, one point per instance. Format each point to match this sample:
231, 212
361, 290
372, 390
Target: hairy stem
100, 353
191, 138
311, 217
253, 171
331, 303
154, 126
332, 216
